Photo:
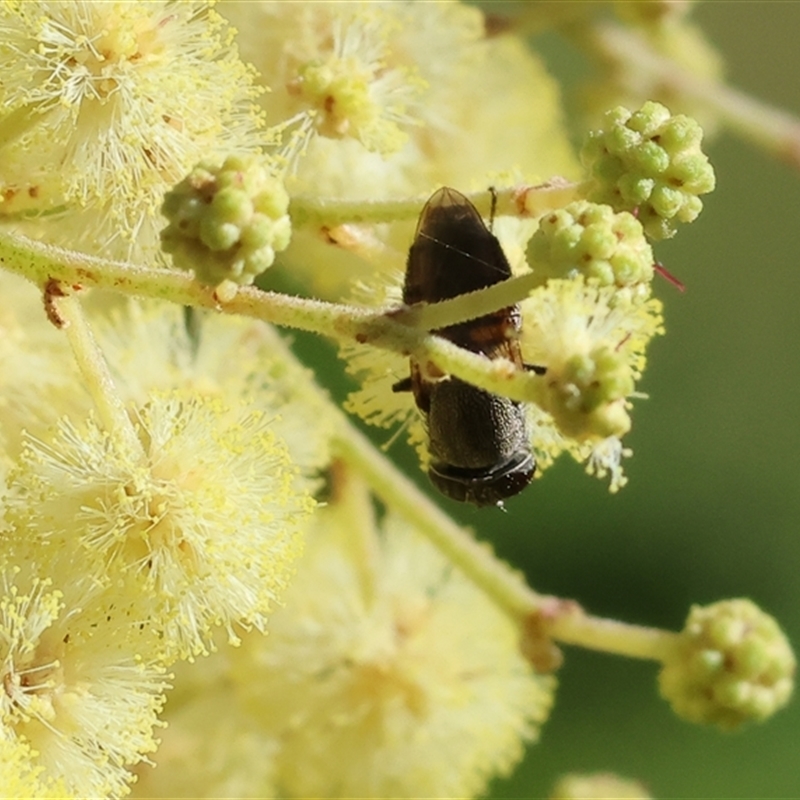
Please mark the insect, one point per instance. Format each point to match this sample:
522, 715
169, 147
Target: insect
479, 442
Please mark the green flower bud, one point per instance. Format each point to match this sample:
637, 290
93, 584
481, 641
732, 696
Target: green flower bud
586, 394
733, 664
592, 240
227, 220
651, 162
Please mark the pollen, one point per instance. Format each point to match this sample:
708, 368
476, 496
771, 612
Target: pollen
107, 104
201, 533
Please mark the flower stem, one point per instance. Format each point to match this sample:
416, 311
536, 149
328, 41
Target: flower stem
308, 210
41, 263
496, 375
611, 636
351, 497
94, 369
432, 316
514, 201
495, 577
562, 620
775, 130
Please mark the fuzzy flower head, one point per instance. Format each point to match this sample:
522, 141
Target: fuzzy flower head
349, 91
236, 362
20, 777
212, 745
150, 348
733, 664
592, 340
107, 104
383, 656
339, 77
428, 67
380, 74
201, 526
73, 688
226, 220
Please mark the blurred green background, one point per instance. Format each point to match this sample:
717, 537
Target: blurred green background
712, 507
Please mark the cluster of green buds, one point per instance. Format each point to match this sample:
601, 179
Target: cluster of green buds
649, 162
592, 240
733, 664
227, 219
587, 397
646, 172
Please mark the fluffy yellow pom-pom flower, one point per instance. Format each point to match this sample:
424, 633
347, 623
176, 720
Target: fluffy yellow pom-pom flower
202, 530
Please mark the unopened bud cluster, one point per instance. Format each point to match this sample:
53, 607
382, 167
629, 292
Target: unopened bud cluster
594, 241
587, 395
343, 97
649, 161
733, 664
227, 220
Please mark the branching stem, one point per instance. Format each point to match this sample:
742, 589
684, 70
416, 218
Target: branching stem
563, 620
42, 263
515, 201
403, 331
94, 369
775, 130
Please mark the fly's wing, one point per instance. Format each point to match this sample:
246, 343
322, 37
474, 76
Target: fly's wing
453, 251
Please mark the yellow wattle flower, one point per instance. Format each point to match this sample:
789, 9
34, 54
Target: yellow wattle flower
105, 105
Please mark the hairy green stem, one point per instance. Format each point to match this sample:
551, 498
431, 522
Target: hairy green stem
432, 316
612, 636
496, 578
42, 262
94, 371
562, 620
514, 201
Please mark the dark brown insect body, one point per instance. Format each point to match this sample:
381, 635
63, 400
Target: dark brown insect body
479, 442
